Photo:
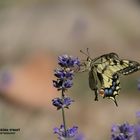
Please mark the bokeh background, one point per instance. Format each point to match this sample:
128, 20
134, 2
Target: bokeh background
33, 33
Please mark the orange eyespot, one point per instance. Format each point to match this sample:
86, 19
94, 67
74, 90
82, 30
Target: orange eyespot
101, 92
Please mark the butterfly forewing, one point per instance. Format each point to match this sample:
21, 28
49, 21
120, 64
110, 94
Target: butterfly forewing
130, 67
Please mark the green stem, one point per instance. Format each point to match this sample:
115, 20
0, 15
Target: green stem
63, 115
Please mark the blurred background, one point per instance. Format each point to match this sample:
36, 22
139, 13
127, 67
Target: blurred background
33, 33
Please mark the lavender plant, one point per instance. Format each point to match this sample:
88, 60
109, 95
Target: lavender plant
122, 132
137, 127
65, 75
126, 131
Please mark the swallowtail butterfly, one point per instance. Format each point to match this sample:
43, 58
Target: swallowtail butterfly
104, 72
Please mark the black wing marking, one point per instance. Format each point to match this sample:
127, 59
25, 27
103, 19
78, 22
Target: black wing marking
111, 63
110, 87
131, 66
106, 57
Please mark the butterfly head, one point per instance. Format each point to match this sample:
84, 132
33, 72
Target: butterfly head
89, 60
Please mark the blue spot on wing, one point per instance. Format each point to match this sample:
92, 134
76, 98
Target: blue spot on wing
110, 91
106, 91
113, 88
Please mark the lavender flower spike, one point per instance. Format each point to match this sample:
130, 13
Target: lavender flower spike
64, 76
68, 61
61, 73
62, 103
122, 132
71, 133
137, 127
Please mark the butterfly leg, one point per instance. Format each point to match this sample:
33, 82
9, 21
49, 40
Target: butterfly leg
96, 94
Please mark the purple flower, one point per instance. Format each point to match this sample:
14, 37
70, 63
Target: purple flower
67, 84
62, 103
59, 73
68, 61
137, 127
62, 74
122, 132
137, 132
58, 84
62, 85
79, 137
138, 114
119, 137
70, 133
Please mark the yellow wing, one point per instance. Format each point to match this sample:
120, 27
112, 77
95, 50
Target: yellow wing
109, 68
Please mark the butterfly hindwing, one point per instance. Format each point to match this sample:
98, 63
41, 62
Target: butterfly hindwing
110, 87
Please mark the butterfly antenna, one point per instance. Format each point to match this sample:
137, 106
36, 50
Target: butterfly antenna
88, 51
87, 54
84, 53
